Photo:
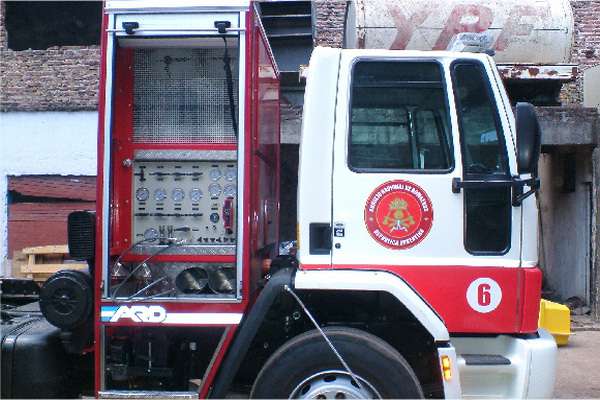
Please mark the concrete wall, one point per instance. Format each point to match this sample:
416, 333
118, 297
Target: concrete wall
570, 240
566, 215
568, 126
44, 143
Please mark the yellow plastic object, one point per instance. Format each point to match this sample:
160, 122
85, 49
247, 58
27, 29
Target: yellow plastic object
556, 319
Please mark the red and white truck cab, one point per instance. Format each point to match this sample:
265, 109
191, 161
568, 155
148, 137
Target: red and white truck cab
416, 270
415, 164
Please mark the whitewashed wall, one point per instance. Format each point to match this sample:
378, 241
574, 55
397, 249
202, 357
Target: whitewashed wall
43, 143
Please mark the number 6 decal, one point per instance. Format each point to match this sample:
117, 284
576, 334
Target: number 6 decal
484, 295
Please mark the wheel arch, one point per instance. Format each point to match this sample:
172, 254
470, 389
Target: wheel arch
326, 283
379, 281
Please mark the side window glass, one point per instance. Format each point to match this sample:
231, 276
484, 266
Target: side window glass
483, 153
487, 210
399, 117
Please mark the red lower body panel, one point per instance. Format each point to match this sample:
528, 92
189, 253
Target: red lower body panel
470, 299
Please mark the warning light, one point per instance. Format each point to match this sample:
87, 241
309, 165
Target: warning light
446, 367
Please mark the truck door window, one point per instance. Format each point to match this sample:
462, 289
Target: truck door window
398, 118
488, 210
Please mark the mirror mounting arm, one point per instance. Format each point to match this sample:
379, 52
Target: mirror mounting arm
517, 184
518, 195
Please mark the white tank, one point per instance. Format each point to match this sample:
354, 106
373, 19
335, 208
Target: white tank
520, 31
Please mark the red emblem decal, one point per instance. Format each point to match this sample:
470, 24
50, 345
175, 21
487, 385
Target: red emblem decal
398, 214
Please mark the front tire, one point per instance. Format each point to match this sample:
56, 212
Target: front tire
305, 367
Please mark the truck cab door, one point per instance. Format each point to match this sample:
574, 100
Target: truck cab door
410, 134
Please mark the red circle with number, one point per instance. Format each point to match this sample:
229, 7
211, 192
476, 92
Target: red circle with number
398, 214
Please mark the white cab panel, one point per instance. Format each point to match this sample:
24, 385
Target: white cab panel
316, 149
375, 281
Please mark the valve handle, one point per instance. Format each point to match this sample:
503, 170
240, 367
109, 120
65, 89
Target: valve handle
227, 215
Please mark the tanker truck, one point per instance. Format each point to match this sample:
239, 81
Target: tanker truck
531, 41
415, 273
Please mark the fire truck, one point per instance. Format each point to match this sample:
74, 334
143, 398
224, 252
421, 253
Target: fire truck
415, 273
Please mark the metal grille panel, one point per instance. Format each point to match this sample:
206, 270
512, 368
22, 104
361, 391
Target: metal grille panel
180, 96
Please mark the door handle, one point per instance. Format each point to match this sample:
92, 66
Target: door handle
458, 183
319, 238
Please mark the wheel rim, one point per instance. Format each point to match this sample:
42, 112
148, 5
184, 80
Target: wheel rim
334, 385
63, 302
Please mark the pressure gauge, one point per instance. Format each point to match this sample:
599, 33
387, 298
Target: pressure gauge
214, 189
160, 194
150, 234
230, 174
214, 174
142, 194
177, 195
196, 195
229, 191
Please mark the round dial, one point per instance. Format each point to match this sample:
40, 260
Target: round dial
150, 234
214, 174
214, 189
160, 194
196, 195
230, 174
178, 194
142, 194
229, 191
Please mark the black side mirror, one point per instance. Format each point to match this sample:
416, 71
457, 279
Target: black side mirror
529, 139
81, 228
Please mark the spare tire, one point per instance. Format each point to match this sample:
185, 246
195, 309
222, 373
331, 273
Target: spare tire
66, 299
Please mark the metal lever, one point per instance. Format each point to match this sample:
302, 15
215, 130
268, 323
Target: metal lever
222, 26
227, 215
130, 26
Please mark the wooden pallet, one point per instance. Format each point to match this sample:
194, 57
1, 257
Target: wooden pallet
42, 261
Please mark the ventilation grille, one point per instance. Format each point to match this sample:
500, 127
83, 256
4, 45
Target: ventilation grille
180, 96
81, 228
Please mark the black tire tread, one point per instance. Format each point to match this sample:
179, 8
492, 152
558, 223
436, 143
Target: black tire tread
282, 360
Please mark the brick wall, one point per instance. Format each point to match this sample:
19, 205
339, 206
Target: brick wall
60, 78
329, 18
586, 46
2, 30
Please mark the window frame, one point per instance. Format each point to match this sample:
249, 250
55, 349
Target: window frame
449, 136
501, 142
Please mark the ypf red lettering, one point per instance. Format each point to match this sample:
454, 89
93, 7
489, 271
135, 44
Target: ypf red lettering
405, 27
515, 26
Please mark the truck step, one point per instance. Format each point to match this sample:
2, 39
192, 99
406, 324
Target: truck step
485, 359
143, 394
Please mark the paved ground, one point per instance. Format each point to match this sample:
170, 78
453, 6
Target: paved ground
578, 374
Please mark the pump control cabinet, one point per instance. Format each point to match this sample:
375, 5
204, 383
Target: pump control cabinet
188, 172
